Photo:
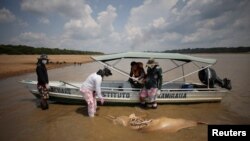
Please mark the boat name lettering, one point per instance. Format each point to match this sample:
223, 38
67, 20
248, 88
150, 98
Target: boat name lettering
173, 95
60, 90
116, 95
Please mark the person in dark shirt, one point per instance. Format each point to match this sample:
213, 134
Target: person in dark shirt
153, 84
137, 73
209, 77
43, 81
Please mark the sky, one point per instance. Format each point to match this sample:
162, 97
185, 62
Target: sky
113, 26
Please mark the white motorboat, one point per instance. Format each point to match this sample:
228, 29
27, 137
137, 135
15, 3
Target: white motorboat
117, 91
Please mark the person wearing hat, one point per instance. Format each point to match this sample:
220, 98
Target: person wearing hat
43, 80
91, 88
153, 84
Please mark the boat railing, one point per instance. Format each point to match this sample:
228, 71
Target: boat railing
168, 90
192, 89
120, 89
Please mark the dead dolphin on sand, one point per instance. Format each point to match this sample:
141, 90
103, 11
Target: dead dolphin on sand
165, 124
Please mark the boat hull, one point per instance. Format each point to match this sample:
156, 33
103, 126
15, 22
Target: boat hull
121, 92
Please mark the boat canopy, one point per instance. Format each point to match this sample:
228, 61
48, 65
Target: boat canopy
147, 55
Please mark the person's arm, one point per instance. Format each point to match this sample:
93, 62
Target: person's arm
46, 76
98, 87
159, 78
131, 75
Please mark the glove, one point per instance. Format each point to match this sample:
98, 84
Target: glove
102, 101
47, 86
158, 92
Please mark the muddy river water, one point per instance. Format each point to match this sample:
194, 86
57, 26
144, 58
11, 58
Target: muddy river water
20, 119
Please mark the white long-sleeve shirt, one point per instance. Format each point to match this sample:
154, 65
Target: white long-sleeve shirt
93, 83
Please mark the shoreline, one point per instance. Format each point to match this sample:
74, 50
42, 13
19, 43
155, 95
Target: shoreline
26, 71
14, 65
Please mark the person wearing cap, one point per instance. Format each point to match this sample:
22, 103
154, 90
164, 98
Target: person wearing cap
43, 80
91, 88
153, 84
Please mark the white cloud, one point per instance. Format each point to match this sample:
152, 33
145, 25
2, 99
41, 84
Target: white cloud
153, 25
96, 34
66, 8
194, 23
133, 32
32, 39
22, 23
147, 25
30, 36
44, 20
106, 19
88, 27
159, 23
200, 35
81, 29
149, 11
83, 33
6, 16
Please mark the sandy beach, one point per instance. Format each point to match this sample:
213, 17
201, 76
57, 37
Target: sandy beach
12, 65
21, 119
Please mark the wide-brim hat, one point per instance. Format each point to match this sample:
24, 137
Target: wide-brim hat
43, 57
151, 62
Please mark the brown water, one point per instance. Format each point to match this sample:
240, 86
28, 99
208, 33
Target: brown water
20, 119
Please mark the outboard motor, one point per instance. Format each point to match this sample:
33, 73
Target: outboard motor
209, 75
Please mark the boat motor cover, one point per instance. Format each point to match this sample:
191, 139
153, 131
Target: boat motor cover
207, 74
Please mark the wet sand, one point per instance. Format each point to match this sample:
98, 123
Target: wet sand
12, 65
20, 119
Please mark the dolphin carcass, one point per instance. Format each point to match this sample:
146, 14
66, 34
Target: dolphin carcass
165, 124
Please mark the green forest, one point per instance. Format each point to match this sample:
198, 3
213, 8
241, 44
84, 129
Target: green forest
22, 49
212, 50
27, 50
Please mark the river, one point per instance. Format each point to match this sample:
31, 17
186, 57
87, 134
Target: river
20, 119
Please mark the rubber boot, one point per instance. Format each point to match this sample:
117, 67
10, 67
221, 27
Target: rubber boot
154, 106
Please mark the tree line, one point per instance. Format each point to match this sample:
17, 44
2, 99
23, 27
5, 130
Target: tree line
28, 50
212, 50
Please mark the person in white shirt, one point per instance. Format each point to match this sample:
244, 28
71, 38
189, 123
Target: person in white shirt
91, 88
